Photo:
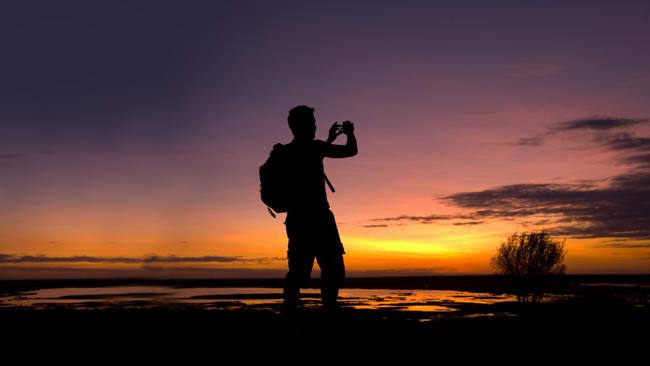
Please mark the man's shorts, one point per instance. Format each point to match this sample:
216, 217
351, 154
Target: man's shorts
313, 233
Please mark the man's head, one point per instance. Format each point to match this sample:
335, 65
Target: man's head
302, 122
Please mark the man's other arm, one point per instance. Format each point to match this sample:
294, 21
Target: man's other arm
342, 151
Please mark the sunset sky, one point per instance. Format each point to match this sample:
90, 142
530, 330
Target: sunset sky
132, 132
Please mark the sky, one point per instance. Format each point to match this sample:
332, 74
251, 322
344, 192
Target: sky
132, 132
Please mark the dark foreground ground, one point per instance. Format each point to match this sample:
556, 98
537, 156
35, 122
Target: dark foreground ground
609, 321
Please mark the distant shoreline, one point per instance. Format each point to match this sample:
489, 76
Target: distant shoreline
474, 283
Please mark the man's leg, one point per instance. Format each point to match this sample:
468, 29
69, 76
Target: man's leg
300, 266
332, 276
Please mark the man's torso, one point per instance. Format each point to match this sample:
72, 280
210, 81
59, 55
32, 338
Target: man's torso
307, 176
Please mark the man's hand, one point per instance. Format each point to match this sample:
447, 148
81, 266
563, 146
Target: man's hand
341, 151
347, 127
335, 130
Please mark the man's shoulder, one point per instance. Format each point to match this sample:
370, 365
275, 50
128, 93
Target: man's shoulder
315, 143
320, 146
306, 148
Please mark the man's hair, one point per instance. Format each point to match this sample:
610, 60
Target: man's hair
298, 115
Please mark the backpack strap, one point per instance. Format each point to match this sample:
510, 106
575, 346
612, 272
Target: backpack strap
329, 183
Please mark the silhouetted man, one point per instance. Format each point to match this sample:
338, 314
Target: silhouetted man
310, 224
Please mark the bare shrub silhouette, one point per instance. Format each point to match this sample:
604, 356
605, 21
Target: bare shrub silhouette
530, 261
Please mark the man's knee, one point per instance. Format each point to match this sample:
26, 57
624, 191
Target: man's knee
332, 269
298, 278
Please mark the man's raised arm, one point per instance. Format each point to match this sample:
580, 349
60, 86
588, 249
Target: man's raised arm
341, 151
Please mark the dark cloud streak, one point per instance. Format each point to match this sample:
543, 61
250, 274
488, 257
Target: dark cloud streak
8, 258
530, 141
627, 245
429, 218
621, 210
626, 142
597, 123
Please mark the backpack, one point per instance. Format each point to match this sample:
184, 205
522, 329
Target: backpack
275, 180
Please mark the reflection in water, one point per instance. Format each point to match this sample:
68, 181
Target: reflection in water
417, 300
224, 297
632, 285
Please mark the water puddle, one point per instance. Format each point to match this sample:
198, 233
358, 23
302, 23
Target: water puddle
212, 297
